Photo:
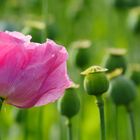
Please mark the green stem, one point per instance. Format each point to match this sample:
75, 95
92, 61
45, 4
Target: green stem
116, 122
44, 18
62, 129
40, 124
69, 133
132, 123
25, 115
100, 104
1, 102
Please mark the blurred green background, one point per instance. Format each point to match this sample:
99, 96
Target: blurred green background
103, 24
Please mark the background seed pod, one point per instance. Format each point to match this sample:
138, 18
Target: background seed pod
135, 77
115, 62
69, 104
36, 35
82, 58
52, 31
125, 3
96, 83
123, 90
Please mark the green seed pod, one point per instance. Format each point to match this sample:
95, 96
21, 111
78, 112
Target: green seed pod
122, 91
83, 55
36, 35
135, 77
69, 104
95, 82
35, 28
52, 31
116, 60
82, 58
121, 4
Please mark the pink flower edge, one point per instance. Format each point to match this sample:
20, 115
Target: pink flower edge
32, 74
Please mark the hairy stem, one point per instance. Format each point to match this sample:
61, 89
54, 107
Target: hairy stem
69, 133
40, 124
116, 122
25, 115
100, 104
132, 123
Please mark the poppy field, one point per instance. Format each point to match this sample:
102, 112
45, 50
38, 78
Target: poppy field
69, 69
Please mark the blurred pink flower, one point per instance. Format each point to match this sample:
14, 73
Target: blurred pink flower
31, 74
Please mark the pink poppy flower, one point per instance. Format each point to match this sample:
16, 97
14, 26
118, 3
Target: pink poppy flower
31, 74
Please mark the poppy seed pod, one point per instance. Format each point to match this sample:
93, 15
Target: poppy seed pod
82, 58
122, 91
135, 77
95, 82
83, 55
36, 34
34, 28
69, 104
125, 3
116, 60
52, 31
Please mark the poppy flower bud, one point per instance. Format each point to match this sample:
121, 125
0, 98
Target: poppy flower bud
122, 91
69, 104
95, 82
116, 60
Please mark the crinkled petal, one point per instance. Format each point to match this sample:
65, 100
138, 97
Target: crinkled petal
11, 63
8, 42
43, 79
19, 36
